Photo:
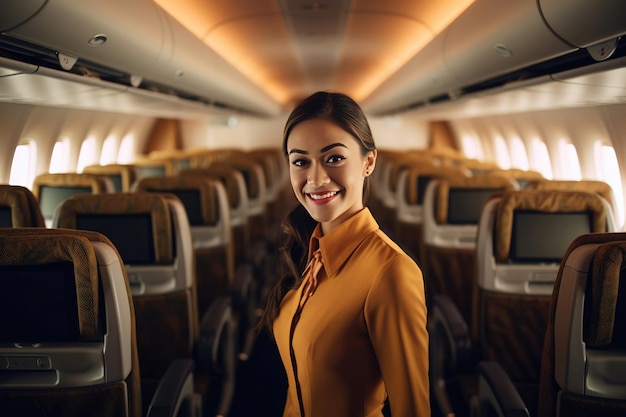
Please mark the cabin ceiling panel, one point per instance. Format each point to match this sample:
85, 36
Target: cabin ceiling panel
294, 47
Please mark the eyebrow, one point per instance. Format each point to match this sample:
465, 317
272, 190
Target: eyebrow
324, 149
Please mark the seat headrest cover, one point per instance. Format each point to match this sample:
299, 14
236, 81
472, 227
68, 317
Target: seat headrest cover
93, 181
602, 294
32, 247
154, 204
455, 181
427, 170
17, 199
204, 185
544, 201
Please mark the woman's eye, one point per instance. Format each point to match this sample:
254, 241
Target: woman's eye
299, 162
335, 158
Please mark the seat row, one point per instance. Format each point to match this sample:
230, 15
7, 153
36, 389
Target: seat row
490, 243
185, 243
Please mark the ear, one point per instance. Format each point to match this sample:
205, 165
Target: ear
370, 162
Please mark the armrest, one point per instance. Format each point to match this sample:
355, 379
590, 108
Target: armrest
215, 330
243, 291
216, 352
452, 331
175, 393
450, 349
497, 396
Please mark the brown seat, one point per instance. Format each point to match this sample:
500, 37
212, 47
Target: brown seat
19, 207
122, 176
72, 351
594, 186
522, 238
584, 350
452, 207
152, 233
208, 211
51, 189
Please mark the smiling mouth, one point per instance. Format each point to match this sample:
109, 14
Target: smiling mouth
323, 196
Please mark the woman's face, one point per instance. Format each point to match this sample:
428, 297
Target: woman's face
327, 171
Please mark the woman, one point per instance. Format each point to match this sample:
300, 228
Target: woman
351, 327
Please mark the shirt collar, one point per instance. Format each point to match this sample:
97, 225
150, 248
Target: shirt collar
339, 244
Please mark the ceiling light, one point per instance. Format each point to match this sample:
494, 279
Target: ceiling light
98, 40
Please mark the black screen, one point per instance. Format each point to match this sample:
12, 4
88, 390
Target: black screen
130, 233
191, 201
544, 237
50, 197
38, 303
5, 217
422, 183
466, 204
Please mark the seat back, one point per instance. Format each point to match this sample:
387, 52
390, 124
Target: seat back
67, 339
410, 192
19, 207
256, 188
522, 237
206, 203
585, 345
52, 189
452, 207
122, 176
151, 231
237, 194
600, 187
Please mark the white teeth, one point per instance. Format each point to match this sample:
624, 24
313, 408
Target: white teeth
322, 196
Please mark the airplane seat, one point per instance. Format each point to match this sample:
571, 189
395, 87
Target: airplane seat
152, 233
51, 189
412, 183
274, 169
256, 187
451, 210
584, 352
122, 176
520, 176
235, 186
208, 210
600, 187
521, 240
68, 342
19, 207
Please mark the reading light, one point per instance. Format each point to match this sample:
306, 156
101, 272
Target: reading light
98, 40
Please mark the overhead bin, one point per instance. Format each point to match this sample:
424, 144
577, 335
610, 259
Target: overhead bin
20, 11
494, 38
585, 22
140, 39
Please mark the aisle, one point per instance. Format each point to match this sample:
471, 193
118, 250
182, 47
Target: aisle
261, 382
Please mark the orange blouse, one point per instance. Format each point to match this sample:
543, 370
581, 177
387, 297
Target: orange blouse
362, 334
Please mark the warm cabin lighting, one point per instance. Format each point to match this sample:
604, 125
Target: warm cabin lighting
87, 155
23, 165
59, 161
253, 37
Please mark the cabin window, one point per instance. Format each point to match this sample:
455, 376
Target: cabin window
87, 155
60, 159
571, 167
126, 150
472, 148
23, 165
608, 167
540, 158
502, 153
519, 157
109, 151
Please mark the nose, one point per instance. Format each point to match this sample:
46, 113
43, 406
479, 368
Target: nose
317, 176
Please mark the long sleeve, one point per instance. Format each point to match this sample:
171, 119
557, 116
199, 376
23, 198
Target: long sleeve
396, 319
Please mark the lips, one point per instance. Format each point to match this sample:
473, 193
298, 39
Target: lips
322, 198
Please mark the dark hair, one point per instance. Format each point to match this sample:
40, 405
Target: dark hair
299, 225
